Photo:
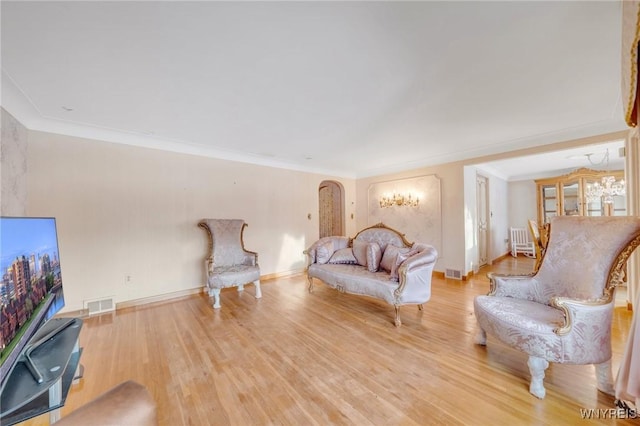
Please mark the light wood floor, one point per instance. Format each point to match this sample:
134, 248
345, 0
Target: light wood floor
296, 358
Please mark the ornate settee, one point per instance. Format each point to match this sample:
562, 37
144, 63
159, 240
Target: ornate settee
378, 262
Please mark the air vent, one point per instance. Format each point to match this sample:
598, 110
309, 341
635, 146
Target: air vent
455, 274
99, 306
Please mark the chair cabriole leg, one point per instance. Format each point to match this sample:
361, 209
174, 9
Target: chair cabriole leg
481, 337
310, 279
397, 321
215, 292
605, 377
258, 290
536, 368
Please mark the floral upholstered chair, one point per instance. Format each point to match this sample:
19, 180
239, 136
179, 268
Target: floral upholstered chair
228, 264
562, 313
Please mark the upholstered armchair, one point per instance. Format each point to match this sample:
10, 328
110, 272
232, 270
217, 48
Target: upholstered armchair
228, 264
562, 313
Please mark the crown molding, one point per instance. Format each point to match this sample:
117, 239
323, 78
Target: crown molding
20, 106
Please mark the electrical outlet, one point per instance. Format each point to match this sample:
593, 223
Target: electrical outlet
127, 279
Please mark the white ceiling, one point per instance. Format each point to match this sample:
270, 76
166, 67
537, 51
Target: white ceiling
345, 88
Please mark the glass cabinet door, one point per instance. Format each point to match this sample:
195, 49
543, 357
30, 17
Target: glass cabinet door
570, 199
567, 195
549, 195
593, 207
619, 206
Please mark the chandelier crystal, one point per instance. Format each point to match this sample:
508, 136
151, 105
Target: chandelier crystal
606, 190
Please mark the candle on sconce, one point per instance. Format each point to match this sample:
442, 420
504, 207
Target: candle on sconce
399, 200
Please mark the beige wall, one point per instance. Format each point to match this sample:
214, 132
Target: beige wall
452, 254
124, 210
523, 204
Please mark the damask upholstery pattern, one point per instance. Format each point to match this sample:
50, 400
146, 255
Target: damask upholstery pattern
529, 327
563, 312
357, 280
228, 264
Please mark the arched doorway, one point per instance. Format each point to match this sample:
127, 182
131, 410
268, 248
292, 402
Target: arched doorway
331, 205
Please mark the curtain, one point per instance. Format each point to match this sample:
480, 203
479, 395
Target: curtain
630, 38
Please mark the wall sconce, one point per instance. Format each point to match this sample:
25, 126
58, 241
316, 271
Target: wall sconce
399, 200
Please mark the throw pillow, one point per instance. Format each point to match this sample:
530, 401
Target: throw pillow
324, 252
389, 256
374, 254
399, 261
400, 258
344, 255
360, 252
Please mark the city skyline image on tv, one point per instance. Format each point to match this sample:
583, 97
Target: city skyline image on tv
30, 270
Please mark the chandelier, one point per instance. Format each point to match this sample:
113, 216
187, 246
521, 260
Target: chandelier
606, 190
399, 200
608, 187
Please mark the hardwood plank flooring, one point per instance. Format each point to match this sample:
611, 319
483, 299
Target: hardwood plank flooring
296, 358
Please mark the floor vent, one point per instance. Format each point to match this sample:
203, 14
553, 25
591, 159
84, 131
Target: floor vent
99, 306
456, 274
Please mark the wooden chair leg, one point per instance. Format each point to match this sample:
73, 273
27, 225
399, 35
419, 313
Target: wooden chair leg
397, 321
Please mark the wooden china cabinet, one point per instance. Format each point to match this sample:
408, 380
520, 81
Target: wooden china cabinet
565, 196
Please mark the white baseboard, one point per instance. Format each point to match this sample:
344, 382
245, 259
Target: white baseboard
177, 294
159, 298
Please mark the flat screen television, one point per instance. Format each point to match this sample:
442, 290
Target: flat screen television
31, 286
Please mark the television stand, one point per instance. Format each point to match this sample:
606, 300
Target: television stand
54, 353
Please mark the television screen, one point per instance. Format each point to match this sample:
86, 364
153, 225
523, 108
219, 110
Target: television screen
31, 286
